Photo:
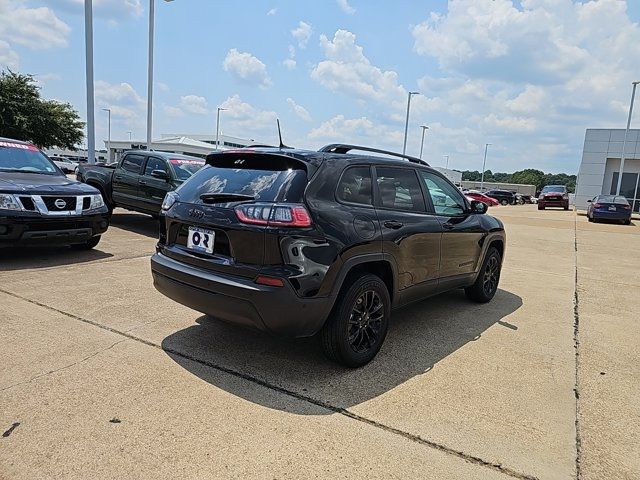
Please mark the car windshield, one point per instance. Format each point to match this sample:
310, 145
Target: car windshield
554, 189
17, 157
612, 199
184, 168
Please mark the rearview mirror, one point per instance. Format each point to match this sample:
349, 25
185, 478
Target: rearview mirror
161, 174
478, 207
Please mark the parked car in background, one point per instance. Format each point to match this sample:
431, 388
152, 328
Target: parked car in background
39, 205
141, 179
534, 199
297, 242
481, 197
609, 207
503, 196
64, 164
553, 196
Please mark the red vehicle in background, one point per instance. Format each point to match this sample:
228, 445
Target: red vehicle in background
481, 197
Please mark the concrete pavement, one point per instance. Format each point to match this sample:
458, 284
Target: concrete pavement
459, 390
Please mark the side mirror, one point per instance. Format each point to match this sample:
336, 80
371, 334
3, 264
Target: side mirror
588, 201
478, 207
161, 174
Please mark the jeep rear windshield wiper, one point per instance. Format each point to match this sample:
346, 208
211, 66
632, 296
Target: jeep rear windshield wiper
225, 197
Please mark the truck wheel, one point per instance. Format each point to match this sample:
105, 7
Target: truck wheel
88, 245
504, 202
357, 326
486, 285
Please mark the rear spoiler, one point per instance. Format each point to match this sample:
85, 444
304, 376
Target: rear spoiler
255, 159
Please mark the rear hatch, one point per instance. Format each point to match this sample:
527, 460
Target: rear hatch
235, 200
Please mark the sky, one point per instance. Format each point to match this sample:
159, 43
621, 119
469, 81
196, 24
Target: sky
526, 76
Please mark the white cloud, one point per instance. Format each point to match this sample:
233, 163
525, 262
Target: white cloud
33, 28
273, 11
174, 112
245, 120
113, 10
9, 58
123, 100
345, 7
163, 87
290, 63
247, 68
302, 33
361, 130
194, 104
347, 70
299, 110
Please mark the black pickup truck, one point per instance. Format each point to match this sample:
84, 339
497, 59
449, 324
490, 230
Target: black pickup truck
39, 205
141, 179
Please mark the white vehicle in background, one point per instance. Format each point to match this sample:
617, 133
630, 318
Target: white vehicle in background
64, 164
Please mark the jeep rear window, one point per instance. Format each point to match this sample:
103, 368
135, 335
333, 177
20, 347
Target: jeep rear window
267, 178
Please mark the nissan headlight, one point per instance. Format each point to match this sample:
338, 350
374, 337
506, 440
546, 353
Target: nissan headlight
9, 202
169, 199
96, 202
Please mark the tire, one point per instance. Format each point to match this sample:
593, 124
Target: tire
627, 222
504, 202
589, 219
346, 339
566, 208
486, 285
88, 245
540, 207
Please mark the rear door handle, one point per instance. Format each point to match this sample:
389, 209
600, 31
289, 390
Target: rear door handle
142, 182
448, 226
393, 224
118, 177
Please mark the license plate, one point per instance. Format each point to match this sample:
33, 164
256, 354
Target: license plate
613, 209
201, 239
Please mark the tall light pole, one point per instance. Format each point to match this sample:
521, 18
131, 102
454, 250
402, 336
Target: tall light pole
626, 133
406, 124
218, 125
152, 4
484, 162
424, 129
447, 164
108, 110
88, 42
129, 135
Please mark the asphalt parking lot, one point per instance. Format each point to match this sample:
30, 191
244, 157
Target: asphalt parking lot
102, 377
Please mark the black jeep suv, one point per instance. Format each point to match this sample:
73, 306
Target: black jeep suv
297, 242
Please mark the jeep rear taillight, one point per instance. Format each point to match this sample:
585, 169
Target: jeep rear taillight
276, 215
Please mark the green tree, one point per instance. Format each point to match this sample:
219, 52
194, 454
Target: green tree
24, 115
529, 176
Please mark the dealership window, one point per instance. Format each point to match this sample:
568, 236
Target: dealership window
628, 189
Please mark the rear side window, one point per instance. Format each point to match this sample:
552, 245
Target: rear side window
268, 178
133, 163
399, 189
355, 186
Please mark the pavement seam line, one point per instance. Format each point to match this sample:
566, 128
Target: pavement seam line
53, 267
327, 406
65, 367
576, 346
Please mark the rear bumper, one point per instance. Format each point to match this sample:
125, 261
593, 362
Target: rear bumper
237, 300
30, 230
626, 215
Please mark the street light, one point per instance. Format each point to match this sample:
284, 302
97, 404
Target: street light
218, 125
129, 135
624, 143
406, 124
150, 72
424, 129
484, 162
88, 45
108, 110
447, 164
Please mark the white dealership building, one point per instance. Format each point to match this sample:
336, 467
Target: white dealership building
600, 166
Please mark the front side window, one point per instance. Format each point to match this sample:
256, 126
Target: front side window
355, 186
155, 164
446, 199
133, 163
399, 189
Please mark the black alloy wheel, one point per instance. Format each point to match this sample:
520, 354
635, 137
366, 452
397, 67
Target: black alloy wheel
357, 326
365, 321
486, 284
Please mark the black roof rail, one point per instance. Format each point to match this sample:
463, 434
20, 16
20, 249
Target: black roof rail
345, 148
